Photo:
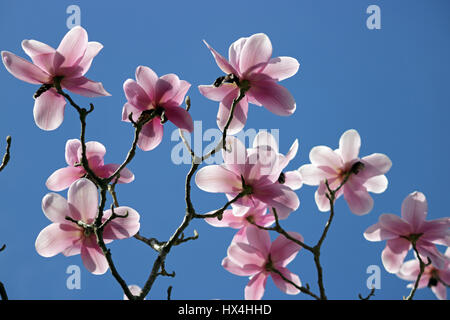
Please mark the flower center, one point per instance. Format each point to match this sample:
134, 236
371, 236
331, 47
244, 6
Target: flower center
269, 265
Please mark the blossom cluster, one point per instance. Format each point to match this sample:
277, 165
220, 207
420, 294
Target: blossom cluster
259, 188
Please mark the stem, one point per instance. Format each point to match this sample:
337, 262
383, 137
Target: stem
422, 266
302, 289
7, 155
3, 294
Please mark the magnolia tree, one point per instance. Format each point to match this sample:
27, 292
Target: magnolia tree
260, 193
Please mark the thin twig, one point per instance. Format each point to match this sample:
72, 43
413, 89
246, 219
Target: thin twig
370, 295
422, 266
304, 290
7, 155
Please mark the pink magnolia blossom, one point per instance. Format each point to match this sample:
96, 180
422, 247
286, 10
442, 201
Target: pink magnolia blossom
68, 238
432, 277
95, 151
334, 165
67, 65
165, 94
251, 171
256, 257
250, 61
399, 232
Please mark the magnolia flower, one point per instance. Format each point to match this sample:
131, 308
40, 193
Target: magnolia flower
69, 238
95, 151
257, 215
291, 179
258, 257
411, 227
334, 166
251, 173
254, 70
66, 66
436, 279
165, 94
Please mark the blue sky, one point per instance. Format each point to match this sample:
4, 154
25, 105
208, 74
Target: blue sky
390, 84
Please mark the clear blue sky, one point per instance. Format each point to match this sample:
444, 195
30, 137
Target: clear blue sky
392, 85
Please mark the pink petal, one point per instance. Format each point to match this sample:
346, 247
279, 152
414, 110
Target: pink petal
429, 250
73, 46
83, 200
234, 268
394, 254
179, 117
71, 154
228, 220
85, 87
256, 50
262, 163
283, 250
266, 140
129, 108
126, 176
92, 256
440, 291
179, 96
216, 93
436, 231
216, 178
235, 155
42, 55
275, 98
414, 210
136, 95
377, 233
62, 178
281, 197
93, 48
223, 64
358, 199
312, 175
151, 135
95, 152
377, 184
234, 53
293, 179
395, 224
282, 284
147, 78
75, 248
245, 254
409, 270
349, 145
374, 165
324, 157
323, 204
259, 239
167, 88
55, 238
256, 287
121, 228
55, 208
23, 69
49, 110
281, 68
239, 114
